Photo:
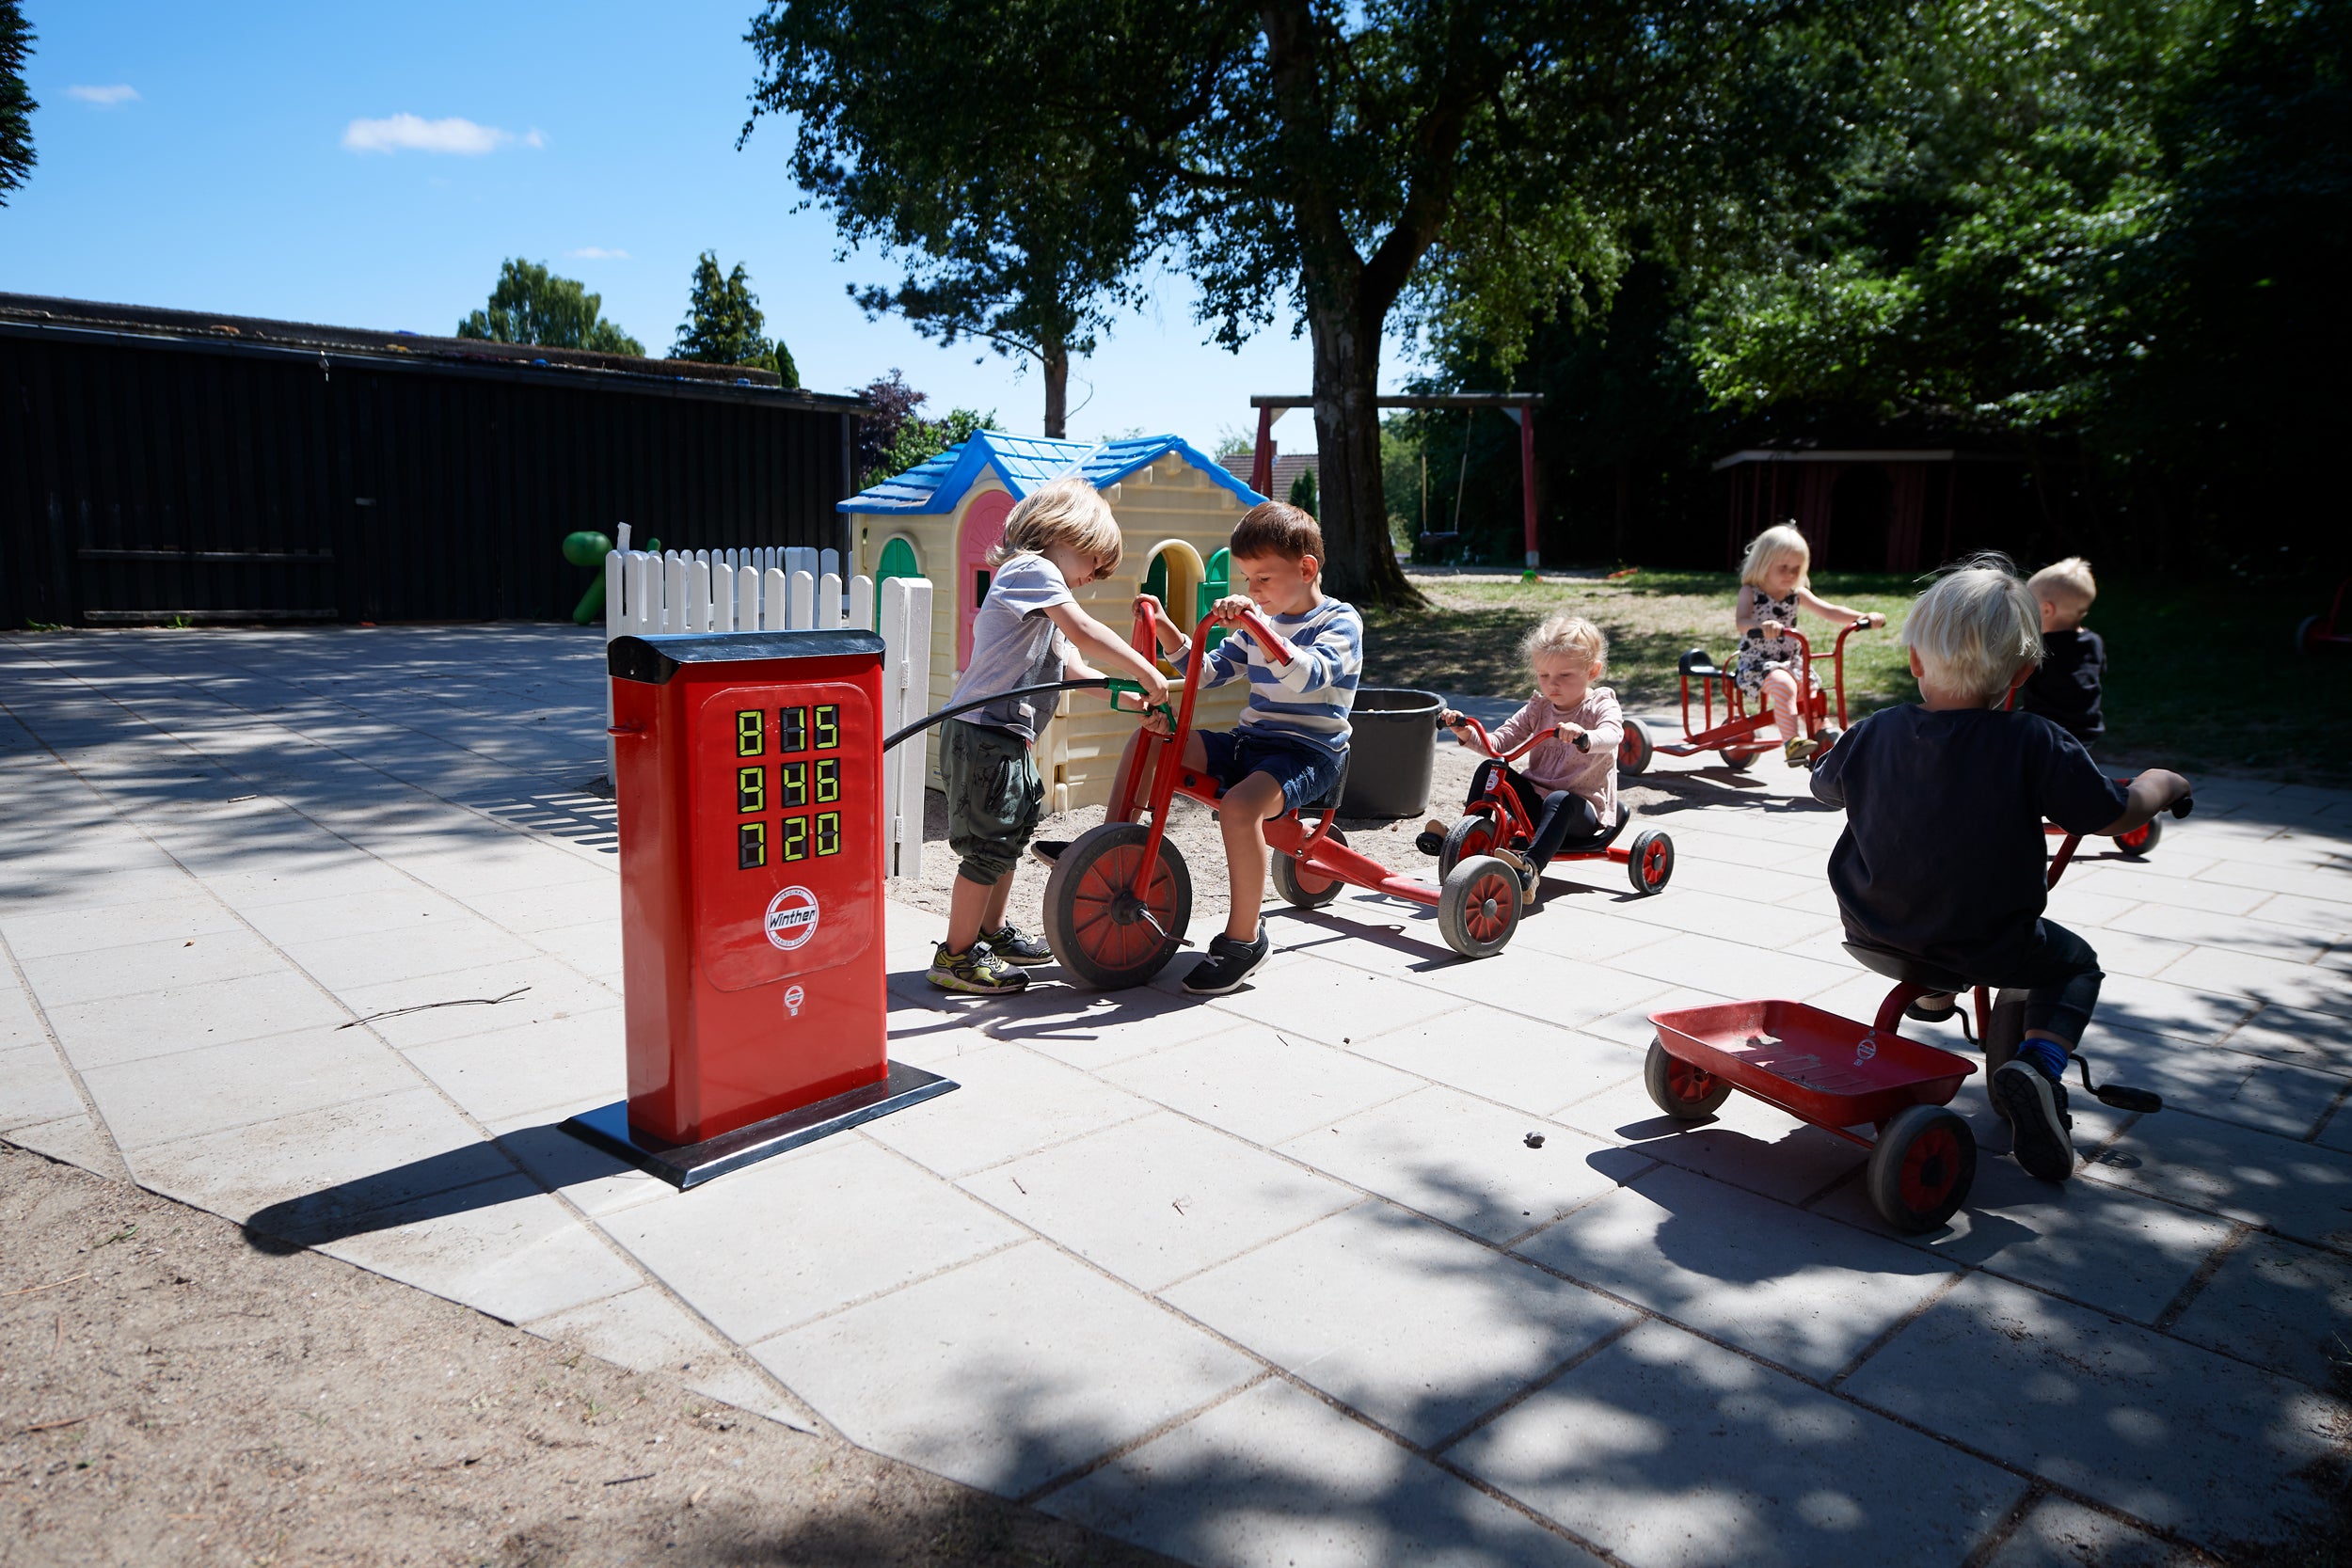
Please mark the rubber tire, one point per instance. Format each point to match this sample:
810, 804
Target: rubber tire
1647, 880
1946, 1186
1635, 750
1737, 762
1496, 908
1306, 890
1474, 834
2004, 1030
1067, 888
2303, 633
2138, 843
1658, 1076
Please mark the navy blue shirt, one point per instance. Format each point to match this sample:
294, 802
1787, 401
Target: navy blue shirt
1943, 855
2065, 690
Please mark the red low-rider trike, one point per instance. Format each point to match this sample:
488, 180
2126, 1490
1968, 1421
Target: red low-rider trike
1120, 897
1734, 737
1497, 824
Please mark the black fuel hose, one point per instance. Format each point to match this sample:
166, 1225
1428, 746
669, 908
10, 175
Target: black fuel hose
1098, 683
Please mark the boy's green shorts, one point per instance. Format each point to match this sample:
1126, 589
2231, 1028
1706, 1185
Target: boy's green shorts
995, 797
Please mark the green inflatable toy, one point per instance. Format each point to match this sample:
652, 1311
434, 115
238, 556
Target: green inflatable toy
586, 548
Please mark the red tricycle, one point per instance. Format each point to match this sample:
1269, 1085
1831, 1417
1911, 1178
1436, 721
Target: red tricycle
1836, 1075
1120, 897
1734, 738
1496, 823
2325, 631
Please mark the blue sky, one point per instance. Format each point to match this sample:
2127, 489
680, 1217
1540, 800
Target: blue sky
224, 156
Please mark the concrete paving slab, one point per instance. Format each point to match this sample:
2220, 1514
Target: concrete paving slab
415, 950
589, 1179
1417, 1327
2312, 988
34, 1086
1255, 1083
20, 1026
1591, 925
2147, 883
822, 1209
593, 948
1317, 998
1158, 1199
219, 1012
1793, 1288
645, 1330
528, 911
2130, 1417
1672, 1452
1733, 968
2164, 1007
2257, 934
1530, 1067
2301, 1189
2320, 1041
38, 933
66, 978
1542, 986
75, 1140
2215, 1081
2060, 1533
503, 1247
1746, 1142
1012, 1101
1465, 1162
1094, 1030
212, 1088
2282, 1306
1005, 1372
507, 1073
1274, 1478
458, 1002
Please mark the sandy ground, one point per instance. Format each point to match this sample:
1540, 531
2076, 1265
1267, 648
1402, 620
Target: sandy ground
171, 1394
1196, 833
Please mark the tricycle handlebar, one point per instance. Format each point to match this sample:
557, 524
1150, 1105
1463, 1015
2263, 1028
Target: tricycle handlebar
1486, 742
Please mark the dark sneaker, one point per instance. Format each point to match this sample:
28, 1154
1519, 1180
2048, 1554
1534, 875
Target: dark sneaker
1228, 965
1431, 839
1046, 851
2035, 1108
1015, 945
1919, 1009
979, 971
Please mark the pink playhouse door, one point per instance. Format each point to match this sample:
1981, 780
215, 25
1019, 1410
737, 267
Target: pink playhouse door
983, 529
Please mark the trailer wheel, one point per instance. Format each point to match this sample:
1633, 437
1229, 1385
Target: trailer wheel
2303, 633
1650, 861
2141, 839
1683, 1091
1635, 750
1101, 930
1922, 1168
1478, 908
1738, 762
1301, 888
1474, 834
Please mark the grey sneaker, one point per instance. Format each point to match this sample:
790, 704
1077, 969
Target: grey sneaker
1229, 964
979, 971
2035, 1108
1015, 945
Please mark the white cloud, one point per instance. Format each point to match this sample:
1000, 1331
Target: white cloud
105, 98
597, 253
414, 134
534, 137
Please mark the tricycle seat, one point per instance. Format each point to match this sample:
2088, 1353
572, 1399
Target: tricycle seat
1697, 664
1607, 837
1906, 969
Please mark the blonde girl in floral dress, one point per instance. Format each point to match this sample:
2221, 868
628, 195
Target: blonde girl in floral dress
1774, 587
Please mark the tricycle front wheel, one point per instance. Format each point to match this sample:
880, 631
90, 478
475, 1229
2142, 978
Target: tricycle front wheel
1684, 1092
1478, 907
1634, 749
1104, 929
1922, 1167
1474, 834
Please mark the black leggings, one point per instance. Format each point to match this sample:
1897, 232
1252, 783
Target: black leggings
1561, 817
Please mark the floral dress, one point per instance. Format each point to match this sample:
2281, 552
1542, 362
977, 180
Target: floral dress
1760, 655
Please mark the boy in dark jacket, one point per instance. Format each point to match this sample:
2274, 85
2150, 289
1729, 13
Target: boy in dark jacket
2065, 688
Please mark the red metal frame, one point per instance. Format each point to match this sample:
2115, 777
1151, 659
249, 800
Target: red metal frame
2326, 631
1501, 800
1739, 724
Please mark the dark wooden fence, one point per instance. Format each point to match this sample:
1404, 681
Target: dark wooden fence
148, 476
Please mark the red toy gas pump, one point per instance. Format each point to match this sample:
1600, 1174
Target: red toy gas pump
749, 775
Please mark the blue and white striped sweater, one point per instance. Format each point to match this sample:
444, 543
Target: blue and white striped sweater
1308, 700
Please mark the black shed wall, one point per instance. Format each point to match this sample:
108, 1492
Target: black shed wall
144, 478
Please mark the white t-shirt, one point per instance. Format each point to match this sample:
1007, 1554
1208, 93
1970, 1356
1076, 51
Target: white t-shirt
1014, 643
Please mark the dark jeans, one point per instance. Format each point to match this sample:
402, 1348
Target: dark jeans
1561, 818
2060, 979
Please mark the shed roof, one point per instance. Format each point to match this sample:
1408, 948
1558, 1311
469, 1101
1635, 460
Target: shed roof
1024, 463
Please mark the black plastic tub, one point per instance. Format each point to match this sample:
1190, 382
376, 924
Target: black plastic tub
1390, 755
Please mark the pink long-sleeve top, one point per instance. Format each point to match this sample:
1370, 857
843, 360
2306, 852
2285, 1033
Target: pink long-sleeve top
1556, 764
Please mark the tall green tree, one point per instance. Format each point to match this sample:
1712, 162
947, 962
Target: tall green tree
16, 103
530, 304
724, 325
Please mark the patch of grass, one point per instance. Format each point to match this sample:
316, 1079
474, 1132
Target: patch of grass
2200, 676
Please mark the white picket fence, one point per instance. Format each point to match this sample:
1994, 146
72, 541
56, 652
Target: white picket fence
789, 589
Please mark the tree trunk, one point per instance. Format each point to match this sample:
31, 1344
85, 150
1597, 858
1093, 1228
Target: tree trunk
1363, 568
1054, 359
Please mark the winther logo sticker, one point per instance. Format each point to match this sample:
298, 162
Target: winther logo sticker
791, 918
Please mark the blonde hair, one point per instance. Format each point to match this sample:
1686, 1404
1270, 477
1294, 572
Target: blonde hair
1068, 512
1567, 634
1767, 549
1975, 629
2069, 578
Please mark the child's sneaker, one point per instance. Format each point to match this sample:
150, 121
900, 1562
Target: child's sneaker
1431, 839
1046, 851
1228, 965
2034, 1104
1800, 750
977, 970
1015, 945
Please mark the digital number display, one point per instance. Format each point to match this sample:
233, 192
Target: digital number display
794, 840
813, 781
751, 788
749, 736
751, 846
792, 730
828, 727
828, 832
828, 781
795, 779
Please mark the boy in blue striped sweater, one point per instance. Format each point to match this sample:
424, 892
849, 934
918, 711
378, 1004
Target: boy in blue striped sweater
1291, 741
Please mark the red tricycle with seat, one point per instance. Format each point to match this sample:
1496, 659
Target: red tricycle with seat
1733, 740
1837, 1075
1120, 896
1497, 823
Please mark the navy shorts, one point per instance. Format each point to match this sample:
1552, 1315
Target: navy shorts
1307, 774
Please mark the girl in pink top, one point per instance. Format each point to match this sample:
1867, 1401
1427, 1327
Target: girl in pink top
1570, 796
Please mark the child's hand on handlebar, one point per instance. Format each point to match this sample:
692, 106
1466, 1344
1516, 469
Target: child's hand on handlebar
1567, 731
1451, 719
1770, 628
1228, 610
1869, 620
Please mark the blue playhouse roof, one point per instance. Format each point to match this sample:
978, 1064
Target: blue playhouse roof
1026, 462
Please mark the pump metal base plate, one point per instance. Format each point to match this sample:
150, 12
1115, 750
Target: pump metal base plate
685, 1166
